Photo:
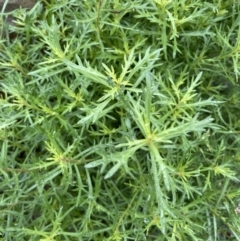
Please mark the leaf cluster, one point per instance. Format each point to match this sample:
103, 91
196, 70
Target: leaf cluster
120, 121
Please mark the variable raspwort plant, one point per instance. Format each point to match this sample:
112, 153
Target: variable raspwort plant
120, 121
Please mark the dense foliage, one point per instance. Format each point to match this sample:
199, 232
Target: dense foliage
120, 120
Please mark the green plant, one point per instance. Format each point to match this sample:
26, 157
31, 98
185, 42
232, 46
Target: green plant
120, 121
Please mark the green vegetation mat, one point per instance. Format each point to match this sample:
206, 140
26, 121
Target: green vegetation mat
120, 120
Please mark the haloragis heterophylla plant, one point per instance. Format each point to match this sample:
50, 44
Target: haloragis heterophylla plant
120, 121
